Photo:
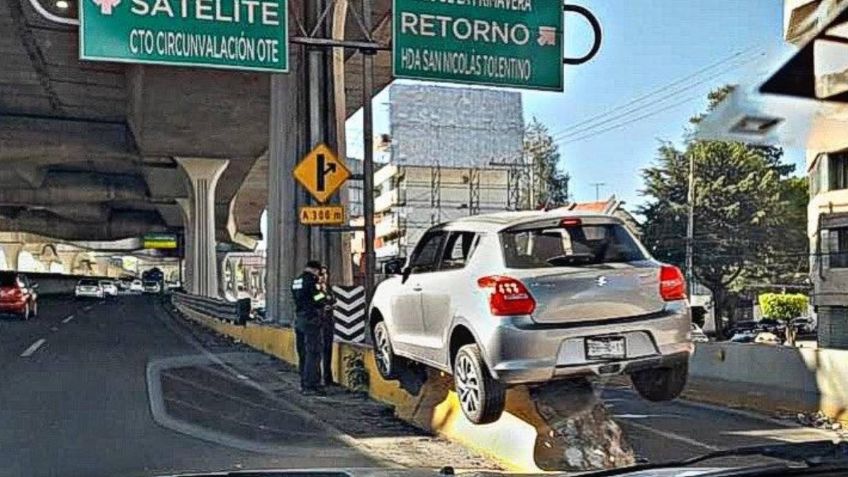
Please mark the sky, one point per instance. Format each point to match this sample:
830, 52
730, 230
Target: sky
671, 53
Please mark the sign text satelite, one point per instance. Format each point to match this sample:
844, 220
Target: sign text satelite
230, 34
322, 215
321, 173
512, 43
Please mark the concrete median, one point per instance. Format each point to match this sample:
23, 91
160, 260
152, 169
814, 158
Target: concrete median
768, 378
563, 426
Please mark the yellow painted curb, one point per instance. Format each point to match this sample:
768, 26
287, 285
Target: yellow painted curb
517, 441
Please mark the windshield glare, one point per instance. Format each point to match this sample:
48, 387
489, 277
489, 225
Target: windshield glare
569, 246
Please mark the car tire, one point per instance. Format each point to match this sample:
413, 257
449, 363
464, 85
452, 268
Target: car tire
661, 384
481, 397
388, 363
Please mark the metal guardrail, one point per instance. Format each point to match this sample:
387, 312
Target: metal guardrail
236, 312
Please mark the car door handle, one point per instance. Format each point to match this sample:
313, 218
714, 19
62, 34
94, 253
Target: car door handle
417, 288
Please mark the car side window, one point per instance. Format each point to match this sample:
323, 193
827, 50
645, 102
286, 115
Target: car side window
424, 259
458, 249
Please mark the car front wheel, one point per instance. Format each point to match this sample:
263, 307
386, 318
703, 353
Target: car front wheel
481, 397
661, 384
387, 362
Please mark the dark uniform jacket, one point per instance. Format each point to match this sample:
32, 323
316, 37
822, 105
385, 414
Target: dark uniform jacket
309, 301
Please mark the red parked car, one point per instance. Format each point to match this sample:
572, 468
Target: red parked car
17, 295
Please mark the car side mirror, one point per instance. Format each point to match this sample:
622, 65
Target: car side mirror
393, 267
405, 273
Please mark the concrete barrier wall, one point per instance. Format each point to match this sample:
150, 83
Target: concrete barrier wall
771, 378
562, 427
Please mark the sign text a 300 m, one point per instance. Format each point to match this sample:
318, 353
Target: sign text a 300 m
511, 43
230, 34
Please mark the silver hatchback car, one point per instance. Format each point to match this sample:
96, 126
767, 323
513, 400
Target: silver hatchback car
530, 297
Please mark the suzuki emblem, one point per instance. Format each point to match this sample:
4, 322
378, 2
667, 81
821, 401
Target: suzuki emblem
602, 281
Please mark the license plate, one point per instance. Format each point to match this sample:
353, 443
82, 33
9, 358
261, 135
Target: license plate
609, 347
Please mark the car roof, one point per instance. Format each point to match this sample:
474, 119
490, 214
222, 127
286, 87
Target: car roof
499, 221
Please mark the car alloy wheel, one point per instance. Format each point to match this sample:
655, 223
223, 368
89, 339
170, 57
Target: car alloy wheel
467, 385
384, 350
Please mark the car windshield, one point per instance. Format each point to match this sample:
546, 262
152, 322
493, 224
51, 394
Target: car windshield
88, 283
569, 246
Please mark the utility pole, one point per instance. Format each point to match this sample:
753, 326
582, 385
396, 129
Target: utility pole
690, 227
597, 186
368, 159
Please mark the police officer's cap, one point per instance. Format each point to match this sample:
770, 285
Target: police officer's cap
313, 264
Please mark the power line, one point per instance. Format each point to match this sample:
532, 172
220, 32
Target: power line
659, 90
591, 130
664, 98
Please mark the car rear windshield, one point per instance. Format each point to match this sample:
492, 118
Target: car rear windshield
7, 279
88, 283
569, 246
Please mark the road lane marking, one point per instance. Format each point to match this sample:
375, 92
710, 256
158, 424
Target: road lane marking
68, 319
33, 348
641, 416
672, 436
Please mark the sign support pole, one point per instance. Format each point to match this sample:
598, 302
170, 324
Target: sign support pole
368, 159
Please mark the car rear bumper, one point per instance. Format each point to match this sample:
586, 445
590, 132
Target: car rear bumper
85, 294
521, 352
12, 306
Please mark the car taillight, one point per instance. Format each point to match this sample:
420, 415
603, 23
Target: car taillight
672, 283
508, 296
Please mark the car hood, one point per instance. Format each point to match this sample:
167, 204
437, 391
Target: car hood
669, 472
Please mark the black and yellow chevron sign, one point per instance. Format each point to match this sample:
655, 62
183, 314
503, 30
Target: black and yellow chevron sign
349, 313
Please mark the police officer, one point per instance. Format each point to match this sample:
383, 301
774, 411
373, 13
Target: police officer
309, 302
327, 329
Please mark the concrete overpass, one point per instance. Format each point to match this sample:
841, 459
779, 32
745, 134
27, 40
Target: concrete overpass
102, 152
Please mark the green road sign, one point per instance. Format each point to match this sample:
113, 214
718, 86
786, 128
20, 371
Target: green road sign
230, 34
513, 43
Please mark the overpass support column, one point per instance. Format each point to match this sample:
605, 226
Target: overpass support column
200, 227
11, 251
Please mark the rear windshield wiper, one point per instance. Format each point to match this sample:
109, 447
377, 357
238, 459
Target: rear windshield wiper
573, 259
813, 454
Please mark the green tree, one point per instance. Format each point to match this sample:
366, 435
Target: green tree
545, 183
748, 225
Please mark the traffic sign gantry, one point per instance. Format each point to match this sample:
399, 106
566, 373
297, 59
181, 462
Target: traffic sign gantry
230, 34
321, 173
515, 43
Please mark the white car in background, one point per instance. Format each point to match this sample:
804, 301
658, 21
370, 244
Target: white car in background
109, 287
137, 286
88, 288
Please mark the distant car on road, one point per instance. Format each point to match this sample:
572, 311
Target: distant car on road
88, 288
530, 297
109, 287
18, 295
152, 287
136, 286
698, 335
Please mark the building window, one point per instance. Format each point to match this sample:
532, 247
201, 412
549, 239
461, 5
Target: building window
816, 173
838, 171
838, 247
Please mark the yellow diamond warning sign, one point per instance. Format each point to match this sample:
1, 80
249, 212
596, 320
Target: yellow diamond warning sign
321, 172
322, 215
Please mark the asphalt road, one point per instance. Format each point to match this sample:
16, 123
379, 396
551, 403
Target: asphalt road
75, 400
118, 387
